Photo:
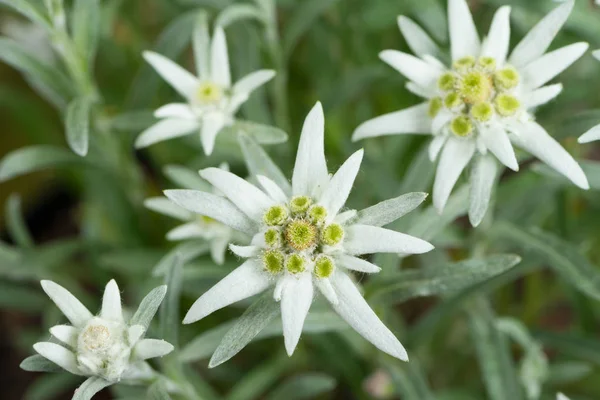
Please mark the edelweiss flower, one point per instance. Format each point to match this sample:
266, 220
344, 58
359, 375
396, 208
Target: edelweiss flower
216, 233
102, 346
594, 133
211, 99
480, 105
301, 239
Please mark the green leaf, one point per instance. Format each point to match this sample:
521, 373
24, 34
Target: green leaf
169, 310
148, 307
562, 256
89, 388
201, 44
34, 158
390, 210
253, 384
409, 380
254, 320
449, 278
77, 121
28, 10
158, 391
238, 12
186, 178
21, 298
15, 223
263, 134
562, 373
85, 24
51, 386
259, 163
305, 386
571, 344
38, 363
185, 252
133, 121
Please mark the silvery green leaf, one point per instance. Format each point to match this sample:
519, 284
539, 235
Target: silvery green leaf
566, 372
590, 167
34, 158
38, 363
237, 12
77, 122
389, 210
580, 346
562, 256
254, 320
89, 388
15, 223
85, 26
186, 178
259, 163
133, 121
50, 386
21, 298
29, 10
186, 252
148, 307
169, 310
420, 172
201, 44
263, 134
305, 386
449, 278
256, 382
409, 380
158, 391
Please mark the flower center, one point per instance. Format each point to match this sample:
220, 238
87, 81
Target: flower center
96, 338
208, 93
300, 234
475, 91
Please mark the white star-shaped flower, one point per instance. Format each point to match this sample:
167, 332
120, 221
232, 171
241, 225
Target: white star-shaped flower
103, 346
594, 133
302, 239
481, 105
212, 101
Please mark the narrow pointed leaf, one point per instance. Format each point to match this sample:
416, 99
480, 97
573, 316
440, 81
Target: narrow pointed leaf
77, 122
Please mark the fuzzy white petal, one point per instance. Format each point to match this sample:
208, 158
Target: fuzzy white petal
68, 304
218, 248
279, 286
464, 40
345, 216
175, 110
213, 206
310, 169
419, 90
497, 41
353, 308
482, 181
253, 80
335, 195
560, 396
244, 251
356, 264
181, 80
59, 355
272, 189
245, 281
418, 40
151, 348
413, 68
212, 123
543, 69
165, 129
219, 68
541, 95
496, 140
596, 54
326, 288
296, 299
533, 138
537, 41
65, 333
134, 333
435, 146
247, 197
366, 239
167, 207
410, 120
454, 158
186, 231
111, 302
591, 135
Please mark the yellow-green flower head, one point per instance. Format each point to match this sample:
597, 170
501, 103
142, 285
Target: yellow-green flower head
300, 204
273, 261
295, 263
276, 215
273, 237
332, 234
317, 213
301, 235
324, 266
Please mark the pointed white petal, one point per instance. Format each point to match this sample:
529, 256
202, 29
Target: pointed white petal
175, 110
345, 216
219, 68
180, 79
591, 135
151, 348
272, 189
336, 193
496, 140
281, 282
413, 68
464, 40
218, 248
482, 181
413, 120
72, 308
596, 54
310, 169
245, 281
296, 299
418, 40
327, 290
167, 207
435, 146
134, 333
111, 302
247, 197
541, 95
244, 251
533, 138
497, 41
186, 231
537, 41
165, 129
60, 356
455, 156
353, 308
213, 206
253, 80
201, 46
543, 69
419, 90
212, 123
443, 117
366, 239
65, 333
356, 264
